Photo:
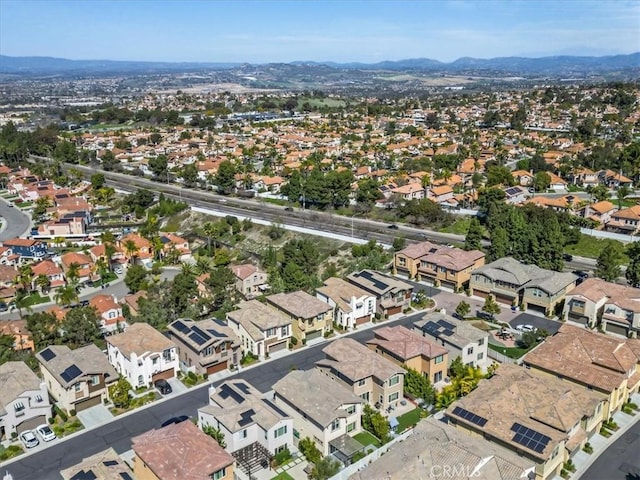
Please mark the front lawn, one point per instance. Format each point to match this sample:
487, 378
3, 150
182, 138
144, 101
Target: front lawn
366, 439
35, 298
283, 476
409, 419
511, 352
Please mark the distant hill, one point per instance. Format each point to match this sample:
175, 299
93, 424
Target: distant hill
551, 66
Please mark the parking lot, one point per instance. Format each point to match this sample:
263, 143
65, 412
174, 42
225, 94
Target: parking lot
550, 326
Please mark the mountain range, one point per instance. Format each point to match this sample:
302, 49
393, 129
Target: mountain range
548, 66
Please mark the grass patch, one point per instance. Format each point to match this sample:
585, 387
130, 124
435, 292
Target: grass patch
62, 428
36, 299
276, 201
484, 326
591, 247
283, 476
9, 452
459, 227
511, 352
366, 439
248, 359
136, 402
191, 379
24, 205
409, 419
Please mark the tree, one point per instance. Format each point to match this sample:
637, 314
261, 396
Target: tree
80, 327
44, 329
418, 386
325, 468
446, 397
159, 167
473, 240
527, 340
608, 263
463, 309
42, 282
216, 434
623, 192
499, 244
7, 352
633, 270
491, 306
457, 368
189, 175
399, 243
73, 273
309, 449
541, 181
21, 301
97, 181
225, 178
131, 249
66, 295
136, 278
376, 423
181, 294
600, 192
119, 393
25, 277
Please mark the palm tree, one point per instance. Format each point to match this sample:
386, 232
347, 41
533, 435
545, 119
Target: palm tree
131, 249
66, 295
109, 251
73, 273
43, 282
103, 269
446, 397
107, 237
469, 381
21, 301
58, 241
25, 277
209, 230
157, 245
623, 192
188, 269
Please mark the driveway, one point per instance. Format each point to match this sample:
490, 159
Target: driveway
176, 387
16, 222
94, 416
550, 326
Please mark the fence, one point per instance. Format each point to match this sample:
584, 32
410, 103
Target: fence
501, 357
372, 457
613, 236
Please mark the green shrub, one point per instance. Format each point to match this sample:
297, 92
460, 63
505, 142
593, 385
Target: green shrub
281, 457
60, 413
72, 413
294, 341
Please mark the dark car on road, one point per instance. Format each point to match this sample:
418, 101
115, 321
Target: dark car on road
163, 386
393, 227
485, 315
172, 420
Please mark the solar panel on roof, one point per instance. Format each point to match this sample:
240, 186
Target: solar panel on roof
529, 438
110, 463
226, 391
70, 373
200, 332
447, 333
215, 333
470, 416
125, 476
47, 354
197, 338
84, 475
246, 417
243, 387
376, 282
446, 324
181, 327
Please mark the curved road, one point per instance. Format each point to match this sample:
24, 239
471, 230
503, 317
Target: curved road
15, 221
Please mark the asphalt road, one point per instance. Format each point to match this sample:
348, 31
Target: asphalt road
621, 461
46, 464
550, 326
17, 222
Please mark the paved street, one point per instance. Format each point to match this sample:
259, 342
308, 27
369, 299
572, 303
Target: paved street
45, 464
621, 461
15, 221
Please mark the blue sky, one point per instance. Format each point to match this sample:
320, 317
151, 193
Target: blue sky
280, 31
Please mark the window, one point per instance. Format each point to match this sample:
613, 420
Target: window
280, 431
351, 427
223, 347
481, 341
394, 380
220, 474
271, 332
537, 292
95, 380
155, 361
208, 351
469, 350
243, 433
351, 409
393, 397
437, 377
577, 303
77, 387
439, 359
480, 355
362, 382
284, 331
335, 425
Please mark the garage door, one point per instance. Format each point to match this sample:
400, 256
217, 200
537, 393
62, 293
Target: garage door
506, 299
537, 308
394, 310
617, 329
167, 374
361, 320
91, 402
578, 318
313, 335
276, 347
31, 423
481, 294
218, 367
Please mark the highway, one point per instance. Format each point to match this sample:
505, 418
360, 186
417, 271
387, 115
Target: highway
45, 464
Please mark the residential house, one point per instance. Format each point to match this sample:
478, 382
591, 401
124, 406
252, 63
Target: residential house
372, 377
407, 347
322, 409
613, 180
249, 422
49, 269
110, 313
584, 177
442, 449
24, 402
8, 275
22, 340
262, 330
104, 465
538, 417
592, 360
440, 193
142, 355
173, 242
140, 250
522, 177
513, 283
180, 451
76, 379
459, 338
131, 301
250, 280
625, 220
515, 195
410, 191
310, 317
86, 271
615, 307
67, 225
557, 183
206, 346
600, 212
447, 266
352, 306
392, 295
25, 249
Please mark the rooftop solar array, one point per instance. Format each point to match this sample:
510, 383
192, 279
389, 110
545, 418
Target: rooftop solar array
529, 438
84, 475
181, 327
110, 463
47, 354
125, 476
225, 391
379, 284
70, 373
469, 416
439, 328
246, 417
512, 191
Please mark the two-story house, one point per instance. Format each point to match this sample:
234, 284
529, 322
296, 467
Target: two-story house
514, 283
447, 266
600, 212
104, 465
352, 306
459, 338
407, 347
262, 330
76, 379
625, 220
593, 360
310, 317
136, 249
370, 376
596, 301
142, 355
110, 313
206, 346
180, 451
171, 241
25, 249
49, 269
8, 275
392, 295
85, 267
250, 280
247, 419
24, 401
322, 409
22, 339
539, 417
